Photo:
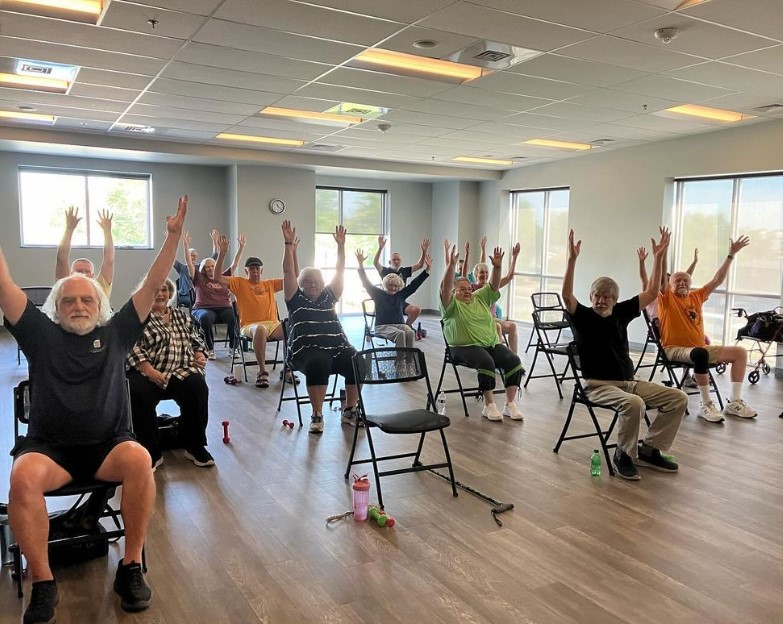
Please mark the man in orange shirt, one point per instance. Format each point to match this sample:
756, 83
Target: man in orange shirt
682, 337
258, 318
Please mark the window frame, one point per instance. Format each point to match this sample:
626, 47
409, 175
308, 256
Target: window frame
87, 216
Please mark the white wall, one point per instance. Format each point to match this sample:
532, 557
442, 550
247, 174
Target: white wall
206, 187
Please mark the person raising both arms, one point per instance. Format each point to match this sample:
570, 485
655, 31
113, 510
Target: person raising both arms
410, 310
83, 265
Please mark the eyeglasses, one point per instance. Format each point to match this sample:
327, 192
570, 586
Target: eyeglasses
463, 290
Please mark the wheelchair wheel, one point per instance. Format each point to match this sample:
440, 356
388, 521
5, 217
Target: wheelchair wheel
720, 368
767, 369
753, 377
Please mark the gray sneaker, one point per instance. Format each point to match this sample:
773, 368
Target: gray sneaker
350, 417
316, 423
43, 600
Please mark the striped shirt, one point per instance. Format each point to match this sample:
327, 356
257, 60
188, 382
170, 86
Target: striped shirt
314, 324
169, 347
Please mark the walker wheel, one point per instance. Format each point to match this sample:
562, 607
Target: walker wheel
720, 368
753, 377
767, 369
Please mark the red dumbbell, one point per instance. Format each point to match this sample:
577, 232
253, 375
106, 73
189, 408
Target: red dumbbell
226, 438
288, 423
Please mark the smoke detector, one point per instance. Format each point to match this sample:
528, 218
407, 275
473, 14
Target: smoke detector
665, 35
384, 127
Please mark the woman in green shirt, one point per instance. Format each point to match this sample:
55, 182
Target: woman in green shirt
469, 330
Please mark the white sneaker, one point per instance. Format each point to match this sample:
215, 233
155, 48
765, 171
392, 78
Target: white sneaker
739, 408
316, 423
510, 410
212, 355
490, 412
710, 413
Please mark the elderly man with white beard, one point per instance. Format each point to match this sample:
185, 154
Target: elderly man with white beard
601, 333
78, 427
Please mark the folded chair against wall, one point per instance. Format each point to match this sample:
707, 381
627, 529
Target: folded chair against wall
545, 301
548, 326
96, 490
392, 365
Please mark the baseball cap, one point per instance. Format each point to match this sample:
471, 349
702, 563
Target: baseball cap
253, 261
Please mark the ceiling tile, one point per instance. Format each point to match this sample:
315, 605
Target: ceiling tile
670, 88
105, 78
231, 78
181, 113
732, 77
378, 81
457, 109
533, 120
613, 131
664, 124
479, 97
515, 134
290, 126
763, 17
82, 125
213, 92
442, 121
135, 18
482, 23
200, 104
556, 67
104, 93
446, 43
175, 122
304, 19
532, 86
197, 7
188, 135
404, 11
614, 51
359, 96
569, 110
619, 100
310, 104
746, 103
58, 99
770, 60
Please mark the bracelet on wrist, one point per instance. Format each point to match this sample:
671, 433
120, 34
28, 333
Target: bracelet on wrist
730, 256
289, 242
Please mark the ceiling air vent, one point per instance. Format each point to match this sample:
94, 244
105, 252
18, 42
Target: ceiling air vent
323, 147
140, 129
40, 70
492, 56
770, 108
600, 142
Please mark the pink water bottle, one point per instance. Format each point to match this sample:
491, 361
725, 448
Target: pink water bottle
361, 497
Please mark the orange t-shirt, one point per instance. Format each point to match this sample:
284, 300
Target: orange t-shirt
682, 323
255, 302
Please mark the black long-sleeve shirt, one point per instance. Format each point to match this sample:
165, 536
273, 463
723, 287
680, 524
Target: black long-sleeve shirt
389, 308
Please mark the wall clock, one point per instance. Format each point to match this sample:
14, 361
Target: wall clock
277, 206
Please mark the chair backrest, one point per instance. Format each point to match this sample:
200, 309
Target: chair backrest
551, 319
389, 365
653, 328
546, 301
580, 389
368, 312
37, 294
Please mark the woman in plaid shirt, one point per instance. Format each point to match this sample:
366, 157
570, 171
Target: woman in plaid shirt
168, 362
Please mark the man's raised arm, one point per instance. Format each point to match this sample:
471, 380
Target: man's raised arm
107, 268
62, 268
447, 283
290, 274
568, 279
497, 260
238, 255
650, 293
512, 267
145, 295
376, 261
723, 270
338, 280
12, 299
221, 245
425, 245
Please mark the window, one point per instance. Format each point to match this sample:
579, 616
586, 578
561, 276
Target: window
540, 222
45, 194
710, 211
363, 215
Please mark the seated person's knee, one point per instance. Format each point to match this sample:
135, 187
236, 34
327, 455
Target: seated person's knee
700, 358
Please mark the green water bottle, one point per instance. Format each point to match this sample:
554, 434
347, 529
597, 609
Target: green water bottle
595, 464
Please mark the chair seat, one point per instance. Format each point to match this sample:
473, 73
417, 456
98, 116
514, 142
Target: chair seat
554, 325
413, 421
75, 488
556, 349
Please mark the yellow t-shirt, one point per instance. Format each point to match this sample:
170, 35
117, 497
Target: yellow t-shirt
104, 284
255, 302
682, 322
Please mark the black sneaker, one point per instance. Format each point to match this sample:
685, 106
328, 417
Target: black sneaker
129, 583
650, 457
43, 600
625, 466
200, 456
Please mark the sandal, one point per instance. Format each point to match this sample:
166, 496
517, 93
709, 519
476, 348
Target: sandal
290, 378
262, 380
231, 380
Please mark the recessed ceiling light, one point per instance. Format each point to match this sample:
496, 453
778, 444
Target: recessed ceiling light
483, 161
705, 112
259, 139
558, 144
75, 10
312, 116
34, 117
418, 66
425, 44
25, 107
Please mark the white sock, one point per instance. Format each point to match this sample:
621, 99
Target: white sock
736, 390
705, 394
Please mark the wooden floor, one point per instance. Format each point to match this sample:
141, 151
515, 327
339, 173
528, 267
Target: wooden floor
247, 541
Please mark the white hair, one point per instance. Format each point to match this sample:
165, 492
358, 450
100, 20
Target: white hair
479, 267
393, 278
605, 285
310, 272
170, 286
50, 305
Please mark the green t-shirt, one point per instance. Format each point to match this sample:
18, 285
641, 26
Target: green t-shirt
471, 324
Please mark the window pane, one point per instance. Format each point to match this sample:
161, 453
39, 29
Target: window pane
530, 230
760, 217
325, 251
524, 286
558, 233
326, 213
363, 212
368, 243
44, 197
713, 311
127, 200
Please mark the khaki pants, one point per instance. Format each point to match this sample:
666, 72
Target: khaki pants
632, 399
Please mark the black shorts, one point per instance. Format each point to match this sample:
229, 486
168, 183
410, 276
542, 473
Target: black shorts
81, 462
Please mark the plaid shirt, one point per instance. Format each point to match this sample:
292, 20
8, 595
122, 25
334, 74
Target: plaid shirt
169, 348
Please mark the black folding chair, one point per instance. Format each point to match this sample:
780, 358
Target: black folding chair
545, 301
37, 295
96, 490
549, 324
368, 313
392, 365
241, 344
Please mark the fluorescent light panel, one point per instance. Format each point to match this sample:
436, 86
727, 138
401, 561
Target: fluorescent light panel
259, 139
418, 66
558, 144
705, 112
88, 11
35, 117
35, 83
483, 161
311, 116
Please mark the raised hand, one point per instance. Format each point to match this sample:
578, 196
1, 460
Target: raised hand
573, 248
661, 247
696, 254
186, 239
289, 232
381, 242
515, 250
483, 243
737, 245
215, 236
428, 263
425, 245
241, 241
174, 224
223, 244
104, 220
72, 218
641, 253
497, 258
451, 255
339, 235
467, 248
360, 257
295, 243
